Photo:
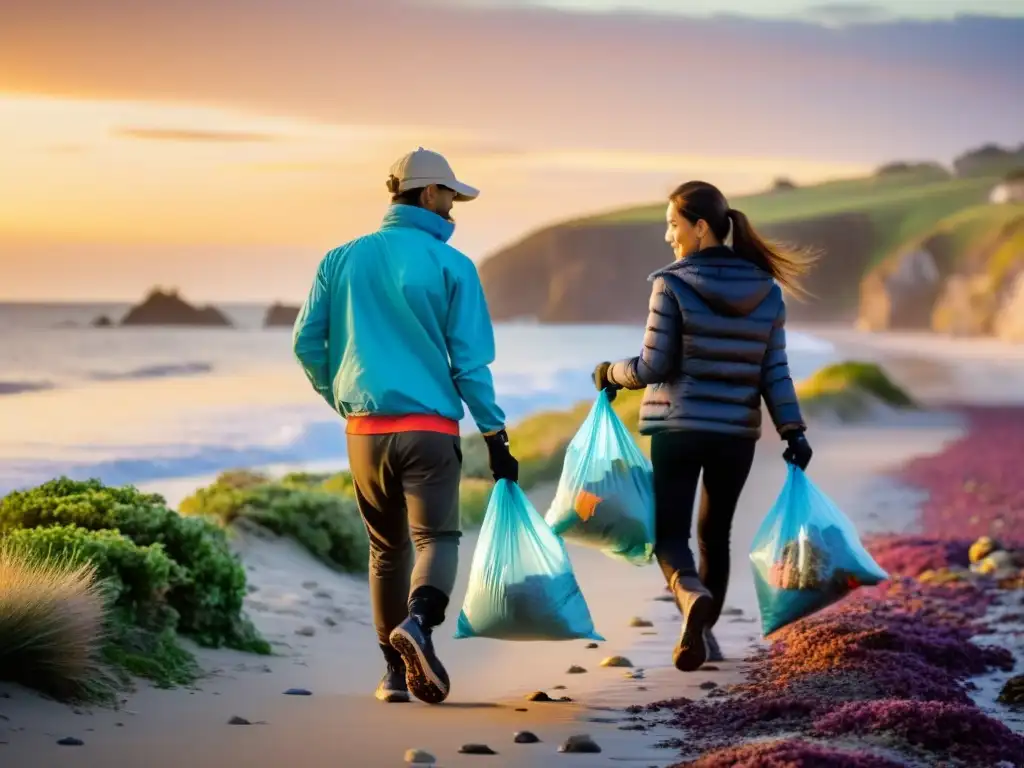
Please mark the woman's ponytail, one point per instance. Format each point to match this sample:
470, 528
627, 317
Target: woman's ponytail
787, 265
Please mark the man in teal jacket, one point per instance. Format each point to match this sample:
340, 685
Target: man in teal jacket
395, 335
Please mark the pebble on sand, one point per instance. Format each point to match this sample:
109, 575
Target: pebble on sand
581, 744
575, 669
1013, 691
616, 661
636, 621
419, 756
298, 692
538, 696
708, 685
306, 631
236, 720
70, 741
590, 646
557, 687
309, 585
729, 611
476, 749
525, 737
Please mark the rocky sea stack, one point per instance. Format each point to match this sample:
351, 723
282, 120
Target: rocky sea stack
168, 308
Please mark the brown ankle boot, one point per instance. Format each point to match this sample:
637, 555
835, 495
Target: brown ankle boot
696, 605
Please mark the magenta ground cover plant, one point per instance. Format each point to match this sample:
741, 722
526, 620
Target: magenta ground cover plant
955, 730
789, 753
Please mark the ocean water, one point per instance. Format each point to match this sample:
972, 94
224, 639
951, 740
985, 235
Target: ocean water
137, 405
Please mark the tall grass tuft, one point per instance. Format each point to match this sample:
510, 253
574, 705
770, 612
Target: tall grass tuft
52, 618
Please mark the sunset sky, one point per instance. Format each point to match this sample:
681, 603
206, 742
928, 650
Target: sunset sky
223, 147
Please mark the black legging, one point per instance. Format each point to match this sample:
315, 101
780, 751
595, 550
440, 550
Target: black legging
678, 458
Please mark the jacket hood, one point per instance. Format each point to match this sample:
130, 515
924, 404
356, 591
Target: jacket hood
412, 217
728, 284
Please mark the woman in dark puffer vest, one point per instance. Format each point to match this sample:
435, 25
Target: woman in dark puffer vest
715, 346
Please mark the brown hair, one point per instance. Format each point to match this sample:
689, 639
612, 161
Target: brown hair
696, 200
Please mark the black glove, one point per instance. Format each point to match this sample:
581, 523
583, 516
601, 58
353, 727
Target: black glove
503, 463
602, 383
799, 451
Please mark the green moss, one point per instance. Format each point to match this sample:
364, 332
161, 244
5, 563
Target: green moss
849, 389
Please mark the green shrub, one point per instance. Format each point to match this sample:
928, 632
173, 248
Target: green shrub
141, 628
52, 619
209, 591
327, 524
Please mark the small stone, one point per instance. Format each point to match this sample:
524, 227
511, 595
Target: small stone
70, 741
329, 621
708, 685
419, 756
633, 727
119, 725
1013, 691
710, 668
648, 633
522, 709
236, 720
476, 749
250, 588
525, 737
323, 594
575, 670
590, 646
557, 687
306, 631
616, 661
579, 745
538, 696
638, 622
641, 687
665, 599
298, 692
637, 674
309, 585
729, 611
566, 699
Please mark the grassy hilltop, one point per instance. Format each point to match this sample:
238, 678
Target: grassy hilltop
594, 269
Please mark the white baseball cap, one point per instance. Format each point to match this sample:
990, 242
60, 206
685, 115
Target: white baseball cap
422, 168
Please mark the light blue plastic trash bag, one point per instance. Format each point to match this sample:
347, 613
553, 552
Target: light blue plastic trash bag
806, 555
521, 584
605, 497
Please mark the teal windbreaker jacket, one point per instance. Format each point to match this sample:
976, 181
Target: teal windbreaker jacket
397, 324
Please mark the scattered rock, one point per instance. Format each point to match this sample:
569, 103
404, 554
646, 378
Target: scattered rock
298, 692
103, 321
708, 685
538, 696
641, 687
1013, 691
616, 661
70, 741
309, 585
638, 622
323, 594
589, 646
306, 631
633, 727
665, 599
575, 670
329, 621
730, 611
710, 668
648, 633
236, 720
565, 699
476, 749
250, 588
419, 756
525, 737
522, 709
637, 674
579, 745
558, 688
982, 548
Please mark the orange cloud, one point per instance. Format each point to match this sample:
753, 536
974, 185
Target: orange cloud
184, 134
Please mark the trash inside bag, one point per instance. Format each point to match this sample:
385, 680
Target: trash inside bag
605, 497
521, 584
806, 555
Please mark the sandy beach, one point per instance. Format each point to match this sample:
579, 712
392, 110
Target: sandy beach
319, 623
